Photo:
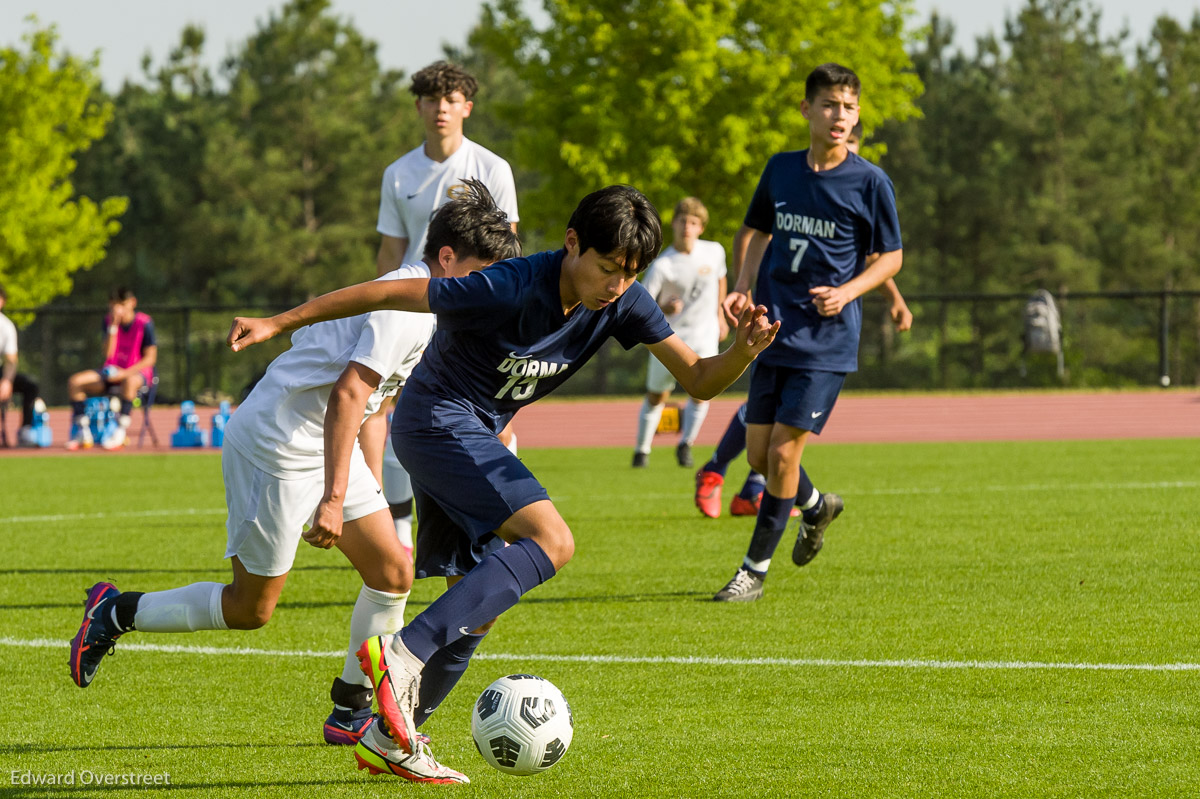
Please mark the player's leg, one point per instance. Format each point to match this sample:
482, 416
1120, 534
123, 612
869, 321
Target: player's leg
506, 498
80, 386
817, 510
117, 433
659, 383
397, 490
711, 476
694, 414
266, 515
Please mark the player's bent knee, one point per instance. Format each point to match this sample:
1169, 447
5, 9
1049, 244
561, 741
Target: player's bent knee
237, 618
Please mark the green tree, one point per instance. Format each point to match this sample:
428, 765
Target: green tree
48, 113
292, 170
678, 97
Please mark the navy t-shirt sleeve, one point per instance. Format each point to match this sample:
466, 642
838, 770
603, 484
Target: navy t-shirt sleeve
148, 338
479, 301
761, 213
642, 321
885, 233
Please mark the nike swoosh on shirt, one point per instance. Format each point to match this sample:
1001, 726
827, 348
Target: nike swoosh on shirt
410, 196
781, 203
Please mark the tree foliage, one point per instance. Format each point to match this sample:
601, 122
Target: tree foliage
678, 97
48, 114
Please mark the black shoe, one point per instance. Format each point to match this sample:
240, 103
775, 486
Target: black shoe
640, 459
683, 454
746, 586
812, 536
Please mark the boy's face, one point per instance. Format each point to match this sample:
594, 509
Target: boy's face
687, 229
831, 115
592, 279
443, 116
122, 312
852, 144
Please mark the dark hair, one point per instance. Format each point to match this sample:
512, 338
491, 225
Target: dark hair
442, 79
618, 221
471, 225
857, 130
120, 294
828, 76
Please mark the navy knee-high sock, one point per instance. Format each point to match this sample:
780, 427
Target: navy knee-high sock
731, 444
772, 520
488, 590
808, 498
442, 672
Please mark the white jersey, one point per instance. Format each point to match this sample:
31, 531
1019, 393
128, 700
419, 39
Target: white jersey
415, 186
281, 425
8, 337
694, 278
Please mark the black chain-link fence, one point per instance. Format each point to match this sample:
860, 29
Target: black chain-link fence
957, 342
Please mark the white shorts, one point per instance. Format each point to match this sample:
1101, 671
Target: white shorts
658, 378
267, 514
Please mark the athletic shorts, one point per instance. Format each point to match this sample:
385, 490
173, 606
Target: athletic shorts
267, 514
658, 378
801, 398
397, 487
465, 484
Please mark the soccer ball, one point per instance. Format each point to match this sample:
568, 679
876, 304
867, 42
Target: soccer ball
521, 724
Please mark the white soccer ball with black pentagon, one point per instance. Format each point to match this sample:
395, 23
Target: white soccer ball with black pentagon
522, 724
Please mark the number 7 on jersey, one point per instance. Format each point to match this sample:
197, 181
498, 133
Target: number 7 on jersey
799, 246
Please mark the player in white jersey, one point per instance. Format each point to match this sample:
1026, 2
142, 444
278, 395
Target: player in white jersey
688, 283
291, 459
414, 187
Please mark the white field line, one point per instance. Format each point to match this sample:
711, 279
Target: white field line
48, 643
954, 489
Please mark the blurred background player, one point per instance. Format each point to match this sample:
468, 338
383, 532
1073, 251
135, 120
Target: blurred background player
688, 283
291, 458
822, 211
414, 187
711, 476
12, 381
130, 352
507, 336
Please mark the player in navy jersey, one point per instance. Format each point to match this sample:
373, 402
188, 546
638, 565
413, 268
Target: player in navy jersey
815, 217
507, 336
711, 476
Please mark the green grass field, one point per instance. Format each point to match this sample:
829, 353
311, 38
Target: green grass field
985, 620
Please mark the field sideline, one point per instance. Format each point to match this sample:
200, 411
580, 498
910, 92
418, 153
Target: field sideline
989, 619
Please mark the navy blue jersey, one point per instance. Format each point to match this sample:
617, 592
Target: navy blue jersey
823, 226
502, 341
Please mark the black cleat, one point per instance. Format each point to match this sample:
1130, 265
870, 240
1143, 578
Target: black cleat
640, 460
812, 536
683, 454
746, 586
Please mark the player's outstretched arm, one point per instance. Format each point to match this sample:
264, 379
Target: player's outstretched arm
705, 378
376, 295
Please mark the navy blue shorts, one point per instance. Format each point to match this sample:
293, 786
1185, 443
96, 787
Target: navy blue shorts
801, 398
465, 485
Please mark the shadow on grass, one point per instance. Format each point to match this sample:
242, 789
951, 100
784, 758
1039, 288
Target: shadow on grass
223, 569
44, 748
203, 788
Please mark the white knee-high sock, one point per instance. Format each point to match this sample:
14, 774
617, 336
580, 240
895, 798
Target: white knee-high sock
694, 416
647, 425
181, 610
375, 613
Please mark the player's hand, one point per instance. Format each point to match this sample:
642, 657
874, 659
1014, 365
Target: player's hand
902, 318
830, 300
327, 525
735, 302
5, 390
754, 332
247, 331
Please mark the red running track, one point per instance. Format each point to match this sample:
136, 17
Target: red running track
856, 419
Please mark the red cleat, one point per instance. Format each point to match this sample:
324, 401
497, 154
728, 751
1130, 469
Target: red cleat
708, 493
740, 506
